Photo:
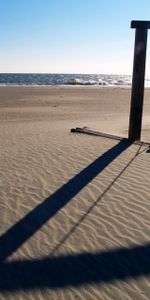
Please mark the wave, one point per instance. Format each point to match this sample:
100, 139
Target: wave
101, 82
77, 81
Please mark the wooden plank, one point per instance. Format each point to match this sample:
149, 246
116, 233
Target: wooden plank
140, 24
135, 122
88, 131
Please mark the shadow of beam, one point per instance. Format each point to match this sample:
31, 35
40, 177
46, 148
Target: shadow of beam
27, 226
90, 208
76, 270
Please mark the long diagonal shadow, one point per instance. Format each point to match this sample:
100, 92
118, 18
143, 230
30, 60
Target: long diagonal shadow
27, 226
94, 204
69, 270
76, 270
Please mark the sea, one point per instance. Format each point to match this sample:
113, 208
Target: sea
41, 79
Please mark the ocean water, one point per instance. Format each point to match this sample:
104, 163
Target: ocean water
17, 79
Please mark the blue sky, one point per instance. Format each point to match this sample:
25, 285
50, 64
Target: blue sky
69, 36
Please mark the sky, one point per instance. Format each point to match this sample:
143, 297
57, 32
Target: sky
69, 36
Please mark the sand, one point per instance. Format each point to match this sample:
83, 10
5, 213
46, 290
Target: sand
74, 208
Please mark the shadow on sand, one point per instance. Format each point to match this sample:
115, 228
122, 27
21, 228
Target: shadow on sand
20, 232
76, 270
55, 272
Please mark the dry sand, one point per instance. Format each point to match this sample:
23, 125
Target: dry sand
74, 208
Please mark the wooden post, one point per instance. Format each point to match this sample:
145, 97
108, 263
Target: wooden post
137, 94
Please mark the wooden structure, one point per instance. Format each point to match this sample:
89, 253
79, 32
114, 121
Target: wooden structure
137, 94
88, 131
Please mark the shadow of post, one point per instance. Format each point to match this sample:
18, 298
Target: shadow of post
20, 232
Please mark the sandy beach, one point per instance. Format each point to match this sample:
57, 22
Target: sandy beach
74, 208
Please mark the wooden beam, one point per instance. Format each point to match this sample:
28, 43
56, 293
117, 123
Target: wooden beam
88, 131
135, 122
140, 24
